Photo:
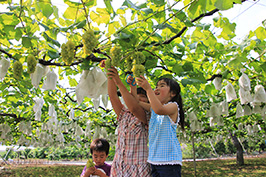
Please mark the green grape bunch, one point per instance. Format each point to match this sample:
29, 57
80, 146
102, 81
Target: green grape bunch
68, 52
31, 63
128, 63
138, 70
89, 163
108, 63
138, 58
89, 41
17, 69
116, 55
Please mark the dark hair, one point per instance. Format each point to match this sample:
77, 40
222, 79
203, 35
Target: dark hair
175, 88
100, 144
140, 90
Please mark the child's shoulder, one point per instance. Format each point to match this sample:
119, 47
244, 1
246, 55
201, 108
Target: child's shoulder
171, 103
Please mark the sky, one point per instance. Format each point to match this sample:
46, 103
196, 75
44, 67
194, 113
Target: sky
247, 16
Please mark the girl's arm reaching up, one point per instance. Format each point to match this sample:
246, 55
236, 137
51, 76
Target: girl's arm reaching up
130, 100
112, 92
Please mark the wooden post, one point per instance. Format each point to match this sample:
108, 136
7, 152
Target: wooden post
194, 156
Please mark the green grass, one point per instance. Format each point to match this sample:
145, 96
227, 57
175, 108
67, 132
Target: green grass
254, 167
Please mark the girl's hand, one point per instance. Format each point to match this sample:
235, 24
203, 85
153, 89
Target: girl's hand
142, 82
113, 74
131, 81
102, 63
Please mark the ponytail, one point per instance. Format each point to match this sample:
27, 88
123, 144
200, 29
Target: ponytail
181, 112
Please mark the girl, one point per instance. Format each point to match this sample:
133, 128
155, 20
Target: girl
166, 108
131, 154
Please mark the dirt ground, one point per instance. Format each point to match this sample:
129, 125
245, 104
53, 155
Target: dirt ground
43, 162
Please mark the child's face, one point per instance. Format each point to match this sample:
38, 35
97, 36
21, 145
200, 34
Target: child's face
162, 91
99, 157
143, 98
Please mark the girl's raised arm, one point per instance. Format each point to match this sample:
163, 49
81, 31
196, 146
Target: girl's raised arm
130, 100
112, 92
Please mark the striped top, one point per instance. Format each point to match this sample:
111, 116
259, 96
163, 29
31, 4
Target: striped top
164, 147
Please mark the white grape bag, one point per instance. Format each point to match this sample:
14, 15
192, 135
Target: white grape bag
5, 129
38, 103
220, 121
249, 129
82, 87
96, 132
50, 81
60, 138
224, 108
104, 133
214, 111
79, 131
105, 100
240, 126
51, 111
36, 77
193, 125
192, 116
4, 65
99, 76
96, 103
92, 86
230, 92
38, 115
247, 110
37, 107
98, 80
245, 96
257, 109
102, 90
72, 114
217, 82
239, 111
212, 121
244, 81
88, 130
260, 95
52, 114
22, 127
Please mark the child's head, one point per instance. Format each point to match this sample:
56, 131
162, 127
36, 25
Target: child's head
142, 96
99, 149
174, 90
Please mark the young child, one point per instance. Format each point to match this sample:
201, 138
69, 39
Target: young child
131, 154
99, 149
166, 108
